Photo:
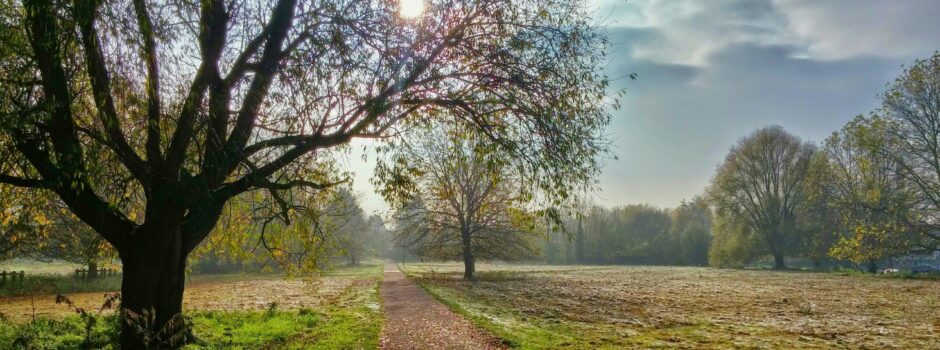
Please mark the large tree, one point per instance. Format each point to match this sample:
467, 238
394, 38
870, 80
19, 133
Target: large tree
198, 102
912, 106
761, 184
465, 205
822, 227
866, 194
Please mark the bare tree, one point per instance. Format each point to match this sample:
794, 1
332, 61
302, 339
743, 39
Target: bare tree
464, 206
761, 182
198, 102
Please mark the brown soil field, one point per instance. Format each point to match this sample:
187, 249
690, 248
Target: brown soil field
673, 307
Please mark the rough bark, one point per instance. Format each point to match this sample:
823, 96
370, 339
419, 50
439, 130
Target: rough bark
154, 272
779, 263
92, 270
776, 242
579, 243
469, 268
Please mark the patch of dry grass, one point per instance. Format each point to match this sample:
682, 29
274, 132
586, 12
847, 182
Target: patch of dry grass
672, 307
216, 293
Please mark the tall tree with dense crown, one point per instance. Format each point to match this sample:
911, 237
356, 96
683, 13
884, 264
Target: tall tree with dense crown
912, 106
761, 183
865, 192
821, 225
198, 102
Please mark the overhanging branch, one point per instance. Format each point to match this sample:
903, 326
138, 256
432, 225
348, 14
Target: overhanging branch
22, 182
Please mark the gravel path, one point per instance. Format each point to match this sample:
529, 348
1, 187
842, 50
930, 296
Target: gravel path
414, 320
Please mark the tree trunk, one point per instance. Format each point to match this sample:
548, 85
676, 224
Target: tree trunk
579, 243
154, 270
92, 270
872, 266
468, 264
779, 264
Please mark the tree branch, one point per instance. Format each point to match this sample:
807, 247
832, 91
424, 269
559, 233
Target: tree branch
154, 155
211, 40
280, 23
260, 174
67, 176
85, 13
22, 182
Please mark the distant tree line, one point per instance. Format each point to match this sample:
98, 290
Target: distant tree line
633, 234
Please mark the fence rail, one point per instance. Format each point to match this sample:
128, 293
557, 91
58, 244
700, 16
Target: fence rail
12, 277
83, 273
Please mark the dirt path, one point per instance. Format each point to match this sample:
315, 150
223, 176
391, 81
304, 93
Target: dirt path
414, 320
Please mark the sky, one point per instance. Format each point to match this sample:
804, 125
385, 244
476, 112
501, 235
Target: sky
710, 72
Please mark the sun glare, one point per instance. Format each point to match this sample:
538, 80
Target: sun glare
411, 8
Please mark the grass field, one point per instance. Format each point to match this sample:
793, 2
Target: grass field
34, 267
339, 310
588, 307
52, 277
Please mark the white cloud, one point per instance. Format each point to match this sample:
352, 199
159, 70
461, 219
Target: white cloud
712, 71
691, 31
843, 29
